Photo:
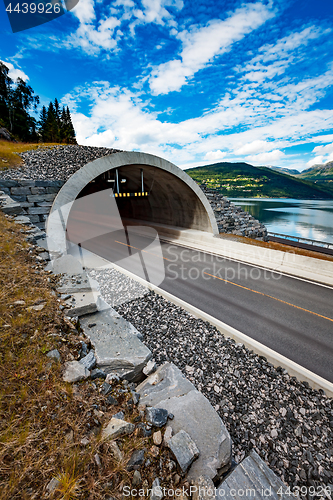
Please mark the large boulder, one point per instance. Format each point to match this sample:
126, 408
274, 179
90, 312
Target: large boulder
168, 388
116, 343
252, 478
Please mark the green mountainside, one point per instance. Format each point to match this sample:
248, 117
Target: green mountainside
321, 175
244, 180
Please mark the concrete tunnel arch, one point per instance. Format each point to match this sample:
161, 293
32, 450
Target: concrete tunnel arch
175, 199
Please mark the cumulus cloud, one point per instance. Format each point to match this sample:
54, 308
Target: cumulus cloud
14, 72
215, 155
266, 158
257, 146
202, 44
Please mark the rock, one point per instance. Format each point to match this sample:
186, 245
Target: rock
157, 438
97, 373
168, 381
110, 401
274, 433
149, 368
75, 371
203, 488
117, 428
252, 475
79, 283
168, 389
136, 460
53, 485
120, 415
156, 416
106, 388
116, 345
97, 460
82, 303
38, 307
167, 435
184, 449
84, 441
89, 361
116, 452
54, 354
66, 264
156, 490
137, 480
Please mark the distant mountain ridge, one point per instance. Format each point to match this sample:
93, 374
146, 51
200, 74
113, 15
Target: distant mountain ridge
244, 180
321, 172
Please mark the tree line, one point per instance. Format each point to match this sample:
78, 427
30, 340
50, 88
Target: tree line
17, 99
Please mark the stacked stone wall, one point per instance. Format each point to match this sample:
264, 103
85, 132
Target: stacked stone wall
34, 196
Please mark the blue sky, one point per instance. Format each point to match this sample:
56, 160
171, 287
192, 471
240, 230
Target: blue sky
195, 82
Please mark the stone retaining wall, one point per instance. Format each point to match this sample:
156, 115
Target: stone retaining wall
232, 219
34, 196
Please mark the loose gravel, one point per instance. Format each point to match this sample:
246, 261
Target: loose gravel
289, 424
55, 163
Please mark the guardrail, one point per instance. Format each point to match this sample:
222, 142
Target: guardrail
300, 239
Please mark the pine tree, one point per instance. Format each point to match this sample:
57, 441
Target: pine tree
70, 132
51, 126
5, 86
42, 123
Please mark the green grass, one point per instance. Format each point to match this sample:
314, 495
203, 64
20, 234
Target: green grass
244, 180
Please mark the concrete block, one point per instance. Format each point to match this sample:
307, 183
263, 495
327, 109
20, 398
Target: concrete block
22, 219
38, 210
8, 183
117, 348
34, 218
66, 264
26, 204
44, 204
26, 183
45, 184
41, 197
81, 303
12, 209
19, 198
252, 475
20, 190
37, 190
52, 190
79, 283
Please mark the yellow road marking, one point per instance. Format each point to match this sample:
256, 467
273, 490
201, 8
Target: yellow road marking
126, 245
269, 296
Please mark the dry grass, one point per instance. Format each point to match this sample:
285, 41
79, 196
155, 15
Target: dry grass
42, 419
8, 152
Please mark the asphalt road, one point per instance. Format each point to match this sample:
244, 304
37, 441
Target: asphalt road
292, 316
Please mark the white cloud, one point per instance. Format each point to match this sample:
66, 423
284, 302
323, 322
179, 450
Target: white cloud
273, 59
15, 73
266, 158
324, 149
315, 161
202, 44
257, 146
215, 155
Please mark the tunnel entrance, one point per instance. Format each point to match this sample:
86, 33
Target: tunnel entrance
146, 194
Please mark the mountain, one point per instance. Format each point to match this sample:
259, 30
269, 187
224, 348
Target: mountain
244, 180
284, 170
318, 173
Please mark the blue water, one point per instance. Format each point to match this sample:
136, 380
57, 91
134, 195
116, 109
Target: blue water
311, 219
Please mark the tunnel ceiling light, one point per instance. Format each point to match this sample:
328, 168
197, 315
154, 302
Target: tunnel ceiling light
123, 181
110, 180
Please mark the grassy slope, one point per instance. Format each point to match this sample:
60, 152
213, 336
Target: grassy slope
42, 418
242, 179
319, 173
8, 152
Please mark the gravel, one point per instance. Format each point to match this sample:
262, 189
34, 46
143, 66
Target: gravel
289, 424
55, 162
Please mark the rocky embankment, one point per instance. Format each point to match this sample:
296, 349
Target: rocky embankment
233, 219
286, 422
55, 163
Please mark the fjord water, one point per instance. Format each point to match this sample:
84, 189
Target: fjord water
305, 218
